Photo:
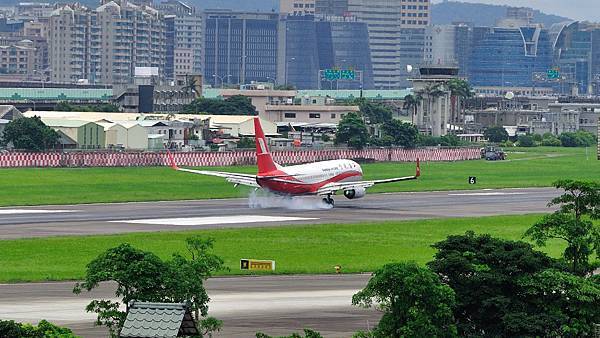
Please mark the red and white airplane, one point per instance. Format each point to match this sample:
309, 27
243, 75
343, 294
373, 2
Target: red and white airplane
323, 179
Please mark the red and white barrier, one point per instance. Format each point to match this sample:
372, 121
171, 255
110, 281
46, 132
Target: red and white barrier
213, 159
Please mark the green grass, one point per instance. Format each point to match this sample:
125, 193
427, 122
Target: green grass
534, 167
297, 249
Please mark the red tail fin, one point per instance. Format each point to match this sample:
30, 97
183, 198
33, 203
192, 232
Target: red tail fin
263, 156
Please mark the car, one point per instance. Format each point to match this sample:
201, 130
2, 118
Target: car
493, 154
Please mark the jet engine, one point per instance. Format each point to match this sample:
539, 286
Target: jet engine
353, 194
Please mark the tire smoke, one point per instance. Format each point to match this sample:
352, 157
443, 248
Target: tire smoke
266, 200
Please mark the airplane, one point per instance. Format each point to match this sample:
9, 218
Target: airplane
323, 179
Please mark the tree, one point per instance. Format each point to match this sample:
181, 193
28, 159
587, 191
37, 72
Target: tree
496, 134
375, 113
485, 274
234, 105
30, 134
549, 140
413, 300
459, 91
411, 104
352, 131
143, 276
307, 334
44, 329
572, 223
105, 108
401, 133
578, 139
570, 301
526, 141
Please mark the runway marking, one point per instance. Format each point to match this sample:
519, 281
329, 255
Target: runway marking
192, 221
489, 194
32, 211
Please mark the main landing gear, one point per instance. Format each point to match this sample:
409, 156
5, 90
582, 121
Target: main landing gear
329, 201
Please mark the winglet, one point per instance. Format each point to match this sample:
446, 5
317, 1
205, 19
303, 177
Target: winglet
172, 161
418, 173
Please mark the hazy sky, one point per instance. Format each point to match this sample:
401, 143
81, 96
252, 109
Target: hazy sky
575, 9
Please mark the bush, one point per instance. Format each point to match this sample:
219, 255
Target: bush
496, 134
44, 329
550, 140
578, 139
526, 141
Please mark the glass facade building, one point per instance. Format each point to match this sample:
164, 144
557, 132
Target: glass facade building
509, 57
313, 46
240, 47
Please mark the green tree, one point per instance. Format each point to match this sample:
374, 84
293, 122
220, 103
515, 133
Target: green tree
401, 133
485, 274
30, 134
44, 329
549, 140
526, 141
143, 276
375, 113
570, 301
307, 334
413, 300
411, 104
572, 223
496, 134
246, 143
235, 105
460, 90
352, 131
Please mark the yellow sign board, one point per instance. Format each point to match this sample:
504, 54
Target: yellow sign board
257, 265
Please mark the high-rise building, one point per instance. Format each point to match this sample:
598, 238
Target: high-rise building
107, 44
184, 39
297, 7
397, 37
19, 59
509, 58
329, 43
241, 47
449, 45
331, 7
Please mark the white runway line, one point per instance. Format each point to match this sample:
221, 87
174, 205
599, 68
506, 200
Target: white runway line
489, 194
193, 221
32, 211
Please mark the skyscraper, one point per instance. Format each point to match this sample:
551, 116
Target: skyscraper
240, 47
331, 7
397, 37
509, 57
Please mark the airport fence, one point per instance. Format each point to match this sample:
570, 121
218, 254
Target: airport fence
213, 159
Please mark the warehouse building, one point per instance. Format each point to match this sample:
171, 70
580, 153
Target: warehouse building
78, 134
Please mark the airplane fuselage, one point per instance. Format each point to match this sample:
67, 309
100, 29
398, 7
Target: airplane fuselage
307, 179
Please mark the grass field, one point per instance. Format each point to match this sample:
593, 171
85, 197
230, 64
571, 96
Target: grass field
533, 167
298, 249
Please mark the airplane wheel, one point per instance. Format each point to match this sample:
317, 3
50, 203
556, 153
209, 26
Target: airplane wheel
329, 201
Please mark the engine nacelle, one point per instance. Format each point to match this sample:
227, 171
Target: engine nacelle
353, 194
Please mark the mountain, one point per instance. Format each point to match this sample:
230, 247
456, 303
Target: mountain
448, 12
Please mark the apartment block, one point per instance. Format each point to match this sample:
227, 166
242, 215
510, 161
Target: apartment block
105, 45
184, 39
18, 59
397, 37
331, 7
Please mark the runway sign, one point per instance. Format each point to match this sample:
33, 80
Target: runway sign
257, 265
472, 180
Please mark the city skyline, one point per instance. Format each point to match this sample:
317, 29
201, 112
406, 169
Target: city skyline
574, 9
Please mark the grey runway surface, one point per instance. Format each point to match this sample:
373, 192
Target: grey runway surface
92, 219
276, 305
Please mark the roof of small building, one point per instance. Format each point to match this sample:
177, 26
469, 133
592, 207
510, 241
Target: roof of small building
66, 123
4, 121
163, 320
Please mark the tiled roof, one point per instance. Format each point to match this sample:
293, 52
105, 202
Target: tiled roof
151, 320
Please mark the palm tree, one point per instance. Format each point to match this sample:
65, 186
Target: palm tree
460, 90
411, 104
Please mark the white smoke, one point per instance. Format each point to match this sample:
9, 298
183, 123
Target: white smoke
264, 200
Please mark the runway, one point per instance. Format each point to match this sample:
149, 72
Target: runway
274, 305
96, 219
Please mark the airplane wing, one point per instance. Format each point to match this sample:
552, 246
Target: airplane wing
234, 178
332, 188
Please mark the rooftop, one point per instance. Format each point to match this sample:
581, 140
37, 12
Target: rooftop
165, 320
